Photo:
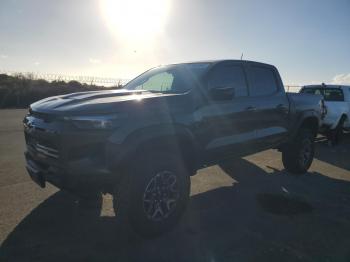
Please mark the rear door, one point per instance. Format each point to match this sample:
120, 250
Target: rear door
270, 102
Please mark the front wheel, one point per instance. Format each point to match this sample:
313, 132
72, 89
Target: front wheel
297, 157
157, 193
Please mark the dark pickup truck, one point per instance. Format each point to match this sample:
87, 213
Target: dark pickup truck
142, 143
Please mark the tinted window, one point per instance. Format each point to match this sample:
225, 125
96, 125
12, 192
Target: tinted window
313, 91
329, 94
262, 81
333, 94
229, 76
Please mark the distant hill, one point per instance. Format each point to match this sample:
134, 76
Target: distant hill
19, 91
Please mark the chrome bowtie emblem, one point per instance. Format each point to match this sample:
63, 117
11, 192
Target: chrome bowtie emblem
30, 124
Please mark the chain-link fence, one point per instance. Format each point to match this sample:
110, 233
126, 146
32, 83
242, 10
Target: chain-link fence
94, 80
292, 88
91, 80
19, 90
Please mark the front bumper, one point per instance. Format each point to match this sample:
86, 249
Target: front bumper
70, 159
35, 173
81, 175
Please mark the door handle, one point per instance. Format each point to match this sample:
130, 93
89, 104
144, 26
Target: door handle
250, 108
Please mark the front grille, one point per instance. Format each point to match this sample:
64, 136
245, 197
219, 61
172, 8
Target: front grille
46, 148
47, 151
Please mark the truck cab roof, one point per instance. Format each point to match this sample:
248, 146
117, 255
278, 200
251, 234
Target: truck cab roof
326, 86
218, 61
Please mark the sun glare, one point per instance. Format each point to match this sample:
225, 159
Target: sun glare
135, 19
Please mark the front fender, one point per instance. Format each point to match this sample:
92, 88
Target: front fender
120, 152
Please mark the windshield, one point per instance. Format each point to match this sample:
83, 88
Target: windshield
329, 94
169, 79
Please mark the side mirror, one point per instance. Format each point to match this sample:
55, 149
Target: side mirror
222, 93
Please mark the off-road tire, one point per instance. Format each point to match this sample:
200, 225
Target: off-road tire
128, 201
298, 155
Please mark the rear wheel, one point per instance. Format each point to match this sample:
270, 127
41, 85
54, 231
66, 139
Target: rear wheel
297, 157
155, 194
336, 134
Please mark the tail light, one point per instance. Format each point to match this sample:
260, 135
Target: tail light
323, 109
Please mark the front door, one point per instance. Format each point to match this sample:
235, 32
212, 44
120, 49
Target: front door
226, 126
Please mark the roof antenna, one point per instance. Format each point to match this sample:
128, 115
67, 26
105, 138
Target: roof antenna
242, 56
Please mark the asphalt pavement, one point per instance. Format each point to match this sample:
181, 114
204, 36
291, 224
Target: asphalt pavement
247, 209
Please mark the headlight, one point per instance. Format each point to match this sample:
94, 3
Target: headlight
101, 122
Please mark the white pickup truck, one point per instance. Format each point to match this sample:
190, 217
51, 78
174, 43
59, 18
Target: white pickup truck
337, 102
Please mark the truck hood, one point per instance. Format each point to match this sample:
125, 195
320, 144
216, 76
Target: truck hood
96, 102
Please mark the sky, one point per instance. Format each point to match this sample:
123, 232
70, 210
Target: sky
308, 41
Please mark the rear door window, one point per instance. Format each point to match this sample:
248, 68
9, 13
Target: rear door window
262, 81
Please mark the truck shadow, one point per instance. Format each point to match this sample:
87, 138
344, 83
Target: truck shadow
262, 216
337, 155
